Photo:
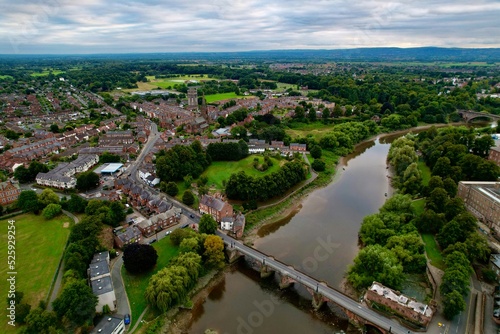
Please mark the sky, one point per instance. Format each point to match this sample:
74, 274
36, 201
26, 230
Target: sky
125, 26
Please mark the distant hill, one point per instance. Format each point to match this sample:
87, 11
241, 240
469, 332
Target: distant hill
424, 54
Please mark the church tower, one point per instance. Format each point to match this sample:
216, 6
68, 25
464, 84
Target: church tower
192, 97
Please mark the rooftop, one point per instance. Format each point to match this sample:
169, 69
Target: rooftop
101, 286
107, 325
98, 269
111, 168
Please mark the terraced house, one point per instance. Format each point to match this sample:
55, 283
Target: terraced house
9, 192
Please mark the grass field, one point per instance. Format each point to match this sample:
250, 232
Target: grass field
46, 72
425, 172
39, 246
433, 252
317, 129
3, 77
137, 284
223, 96
221, 170
418, 205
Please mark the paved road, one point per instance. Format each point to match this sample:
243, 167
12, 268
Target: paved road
60, 273
122, 303
330, 293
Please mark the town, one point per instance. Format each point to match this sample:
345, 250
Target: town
133, 187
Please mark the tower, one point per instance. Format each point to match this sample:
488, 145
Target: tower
192, 97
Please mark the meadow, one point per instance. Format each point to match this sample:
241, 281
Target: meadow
39, 246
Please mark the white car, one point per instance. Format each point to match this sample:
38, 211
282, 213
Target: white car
168, 232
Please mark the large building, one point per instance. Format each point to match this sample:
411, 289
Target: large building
495, 155
101, 283
109, 325
406, 307
482, 199
9, 192
215, 207
62, 176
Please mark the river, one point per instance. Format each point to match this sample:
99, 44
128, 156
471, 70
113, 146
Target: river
321, 239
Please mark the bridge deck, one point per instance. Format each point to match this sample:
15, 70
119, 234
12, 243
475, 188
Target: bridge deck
322, 288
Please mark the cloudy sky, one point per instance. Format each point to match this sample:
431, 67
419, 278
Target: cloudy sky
123, 26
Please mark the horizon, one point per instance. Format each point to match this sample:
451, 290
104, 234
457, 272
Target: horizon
61, 27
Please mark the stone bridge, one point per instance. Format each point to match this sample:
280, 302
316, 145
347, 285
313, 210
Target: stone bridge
469, 115
357, 313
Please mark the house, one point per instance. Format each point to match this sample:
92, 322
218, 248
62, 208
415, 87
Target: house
103, 289
159, 222
495, 155
215, 207
109, 325
482, 199
235, 225
298, 147
129, 236
98, 270
9, 192
406, 307
62, 177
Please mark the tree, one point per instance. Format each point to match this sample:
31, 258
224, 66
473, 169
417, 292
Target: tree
453, 304
438, 200
189, 245
48, 196
76, 204
51, 210
316, 151
28, 201
172, 189
207, 224
116, 213
76, 302
40, 321
54, 128
214, 251
139, 258
376, 263
87, 180
188, 198
318, 165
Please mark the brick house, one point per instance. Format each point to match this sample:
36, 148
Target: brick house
129, 236
406, 307
495, 155
159, 222
9, 192
215, 207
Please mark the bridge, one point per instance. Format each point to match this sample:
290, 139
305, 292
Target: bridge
469, 115
320, 291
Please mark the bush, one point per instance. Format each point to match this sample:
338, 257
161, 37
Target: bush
489, 276
188, 198
51, 211
139, 258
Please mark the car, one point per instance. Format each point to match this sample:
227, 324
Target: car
152, 241
126, 319
191, 216
168, 232
185, 225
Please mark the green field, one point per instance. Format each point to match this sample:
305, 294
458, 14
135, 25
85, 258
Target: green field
433, 252
225, 96
317, 129
170, 82
46, 73
137, 284
425, 172
221, 170
418, 206
39, 246
4, 77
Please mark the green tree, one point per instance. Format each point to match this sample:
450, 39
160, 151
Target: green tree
453, 304
87, 180
28, 201
51, 210
318, 165
76, 204
48, 196
40, 321
316, 151
76, 303
189, 245
207, 224
172, 189
188, 198
54, 128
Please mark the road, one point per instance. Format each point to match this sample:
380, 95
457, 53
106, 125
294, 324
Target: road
328, 292
122, 304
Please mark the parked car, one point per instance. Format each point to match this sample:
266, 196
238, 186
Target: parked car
152, 241
126, 319
191, 216
185, 225
168, 232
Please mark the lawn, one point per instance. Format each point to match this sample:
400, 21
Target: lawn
221, 170
317, 129
3, 77
46, 73
224, 96
425, 172
418, 206
136, 284
433, 252
39, 246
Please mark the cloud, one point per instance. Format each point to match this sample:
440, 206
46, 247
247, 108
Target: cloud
96, 26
